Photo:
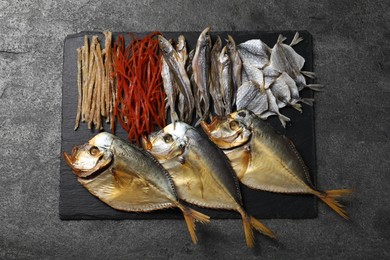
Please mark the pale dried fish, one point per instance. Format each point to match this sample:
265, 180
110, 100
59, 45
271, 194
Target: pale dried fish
169, 89
201, 70
236, 62
225, 80
250, 97
255, 52
215, 87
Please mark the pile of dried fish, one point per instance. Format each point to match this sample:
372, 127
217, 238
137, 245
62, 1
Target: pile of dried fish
96, 87
248, 75
272, 78
178, 163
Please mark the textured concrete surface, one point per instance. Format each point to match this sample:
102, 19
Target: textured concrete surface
351, 58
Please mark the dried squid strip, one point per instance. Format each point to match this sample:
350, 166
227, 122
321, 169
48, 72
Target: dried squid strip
79, 87
95, 82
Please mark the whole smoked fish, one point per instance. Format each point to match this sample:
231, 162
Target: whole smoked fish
265, 160
201, 172
127, 178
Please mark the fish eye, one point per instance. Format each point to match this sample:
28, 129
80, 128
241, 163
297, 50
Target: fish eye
168, 138
94, 151
234, 125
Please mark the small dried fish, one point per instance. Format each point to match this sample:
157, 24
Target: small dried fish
225, 80
254, 74
215, 87
169, 89
236, 63
254, 52
201, 70
249, 96
285, 59
273, 109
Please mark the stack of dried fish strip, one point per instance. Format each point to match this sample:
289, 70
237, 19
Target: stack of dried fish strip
96, 86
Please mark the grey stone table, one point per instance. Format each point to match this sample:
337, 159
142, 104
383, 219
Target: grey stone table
351, 48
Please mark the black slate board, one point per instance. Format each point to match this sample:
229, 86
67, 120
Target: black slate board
77, 203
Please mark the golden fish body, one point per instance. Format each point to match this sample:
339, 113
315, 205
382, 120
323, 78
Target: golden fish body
263, 159
200, 171
127, 178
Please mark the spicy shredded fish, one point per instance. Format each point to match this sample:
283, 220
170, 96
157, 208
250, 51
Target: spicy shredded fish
140, 99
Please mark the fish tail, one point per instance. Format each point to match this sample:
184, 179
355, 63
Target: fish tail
249, 236
261, 227
297, 39
309, 74
308, 101
190, 216
315, 87
297, 107
283, 119
329, 198
251, 223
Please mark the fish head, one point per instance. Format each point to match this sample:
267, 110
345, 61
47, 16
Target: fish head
244, 116
204, 38
165, 46
92, 157
227, 132
230, 44
168, 143
223, 56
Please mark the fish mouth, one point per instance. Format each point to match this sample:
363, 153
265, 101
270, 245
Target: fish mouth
70, 159
208, 128
228, 141
146, 143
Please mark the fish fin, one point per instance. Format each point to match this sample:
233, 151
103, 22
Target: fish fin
296, 39
297, 107
261, 227
329, 198
307, 101
308, 74
190, 216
